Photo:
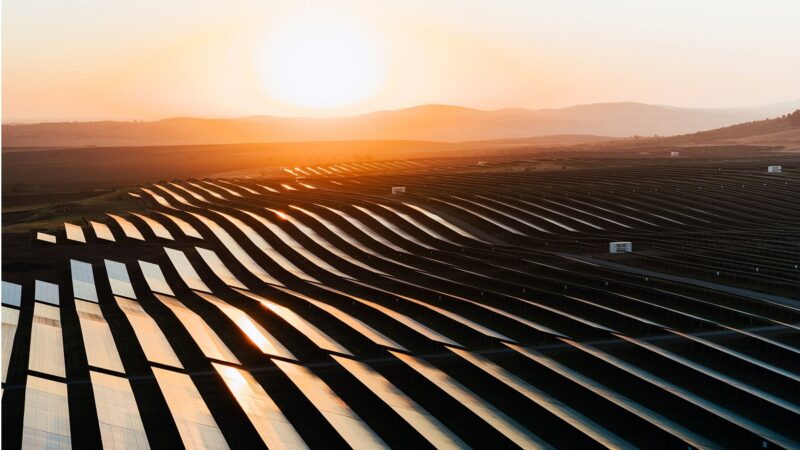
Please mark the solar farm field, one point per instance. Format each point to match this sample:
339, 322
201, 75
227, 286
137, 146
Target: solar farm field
478, 306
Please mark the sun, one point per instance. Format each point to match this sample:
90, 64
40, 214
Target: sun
321, 60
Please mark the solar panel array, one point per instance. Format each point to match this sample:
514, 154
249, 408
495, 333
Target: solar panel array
476, 310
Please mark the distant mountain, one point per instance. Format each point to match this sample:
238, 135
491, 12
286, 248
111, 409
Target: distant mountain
426, 122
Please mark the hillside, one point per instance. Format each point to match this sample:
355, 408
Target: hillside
427, 122
783, 131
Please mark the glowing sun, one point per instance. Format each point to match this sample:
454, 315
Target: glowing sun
321, 60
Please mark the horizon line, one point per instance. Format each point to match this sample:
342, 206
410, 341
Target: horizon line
388, 110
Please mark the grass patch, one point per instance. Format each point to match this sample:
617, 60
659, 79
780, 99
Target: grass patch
53, 215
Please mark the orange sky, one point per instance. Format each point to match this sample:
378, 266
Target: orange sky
149, 59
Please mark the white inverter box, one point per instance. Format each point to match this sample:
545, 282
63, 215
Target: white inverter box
620, 247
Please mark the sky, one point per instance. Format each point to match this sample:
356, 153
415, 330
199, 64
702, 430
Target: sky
151, 59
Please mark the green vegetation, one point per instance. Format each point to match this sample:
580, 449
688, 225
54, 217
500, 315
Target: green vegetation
54, 214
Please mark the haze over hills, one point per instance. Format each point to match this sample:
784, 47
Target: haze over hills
426, 122
782, 131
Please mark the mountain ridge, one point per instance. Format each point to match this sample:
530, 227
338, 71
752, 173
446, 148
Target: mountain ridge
428, 122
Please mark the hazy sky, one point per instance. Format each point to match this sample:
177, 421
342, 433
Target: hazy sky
150, 59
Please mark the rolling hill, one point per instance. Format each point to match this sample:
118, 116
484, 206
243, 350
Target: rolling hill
426, 122
783, 131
